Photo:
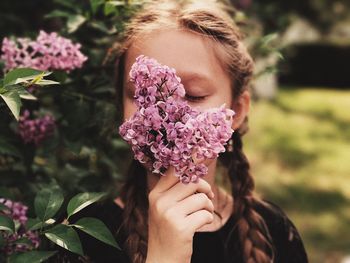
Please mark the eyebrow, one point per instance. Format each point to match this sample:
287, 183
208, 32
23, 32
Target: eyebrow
187, 77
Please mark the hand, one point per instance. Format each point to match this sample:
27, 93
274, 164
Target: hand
176, 211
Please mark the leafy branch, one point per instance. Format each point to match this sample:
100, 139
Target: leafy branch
14, 87
47, 203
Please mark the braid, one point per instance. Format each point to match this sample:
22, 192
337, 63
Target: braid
135, 199
254, 236
207, 20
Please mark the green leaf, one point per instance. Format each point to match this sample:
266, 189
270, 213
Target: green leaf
37, 80
23, 74
23, 241
116, 3
60, 76
58, 13
2, 90
22, 92
74, 22
7, 224
13, 101
17, 224
3, 207
45, 82
47, 203
119, 144
103, 28
81, 201
35, 223
267, 39
97, 229
109, 8
66, 237
95, 4
31, 257
68, 4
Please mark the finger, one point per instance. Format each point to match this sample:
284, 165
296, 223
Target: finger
199, 219
195, 203
181, 191
166, 181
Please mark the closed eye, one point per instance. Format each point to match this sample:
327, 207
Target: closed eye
194, 98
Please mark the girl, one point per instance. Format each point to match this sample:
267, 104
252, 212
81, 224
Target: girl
161, 220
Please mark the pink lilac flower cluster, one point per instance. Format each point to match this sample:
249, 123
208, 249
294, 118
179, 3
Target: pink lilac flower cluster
165, 130
18, 212
48, 52
35, 130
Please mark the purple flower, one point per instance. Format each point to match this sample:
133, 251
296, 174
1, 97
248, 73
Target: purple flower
18, 212
47, 52
35, 130
165, 130
10, 241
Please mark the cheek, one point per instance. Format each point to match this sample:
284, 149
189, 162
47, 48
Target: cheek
129, 109
222, 97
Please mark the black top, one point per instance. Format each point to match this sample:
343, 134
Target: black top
220, 246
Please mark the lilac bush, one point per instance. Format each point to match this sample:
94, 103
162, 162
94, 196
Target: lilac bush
35, 130
18, 212
84, 104
48, 52
165, 130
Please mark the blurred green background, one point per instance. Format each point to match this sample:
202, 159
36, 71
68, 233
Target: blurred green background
299, 137
298, 146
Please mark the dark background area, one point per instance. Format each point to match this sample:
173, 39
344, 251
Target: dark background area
316, 65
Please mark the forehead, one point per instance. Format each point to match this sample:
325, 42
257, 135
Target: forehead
190, 54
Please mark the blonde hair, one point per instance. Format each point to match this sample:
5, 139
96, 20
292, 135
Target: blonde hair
209, 19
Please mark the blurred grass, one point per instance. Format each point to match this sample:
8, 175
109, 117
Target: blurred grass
299, 148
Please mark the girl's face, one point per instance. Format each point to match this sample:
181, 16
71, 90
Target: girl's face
206, 83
